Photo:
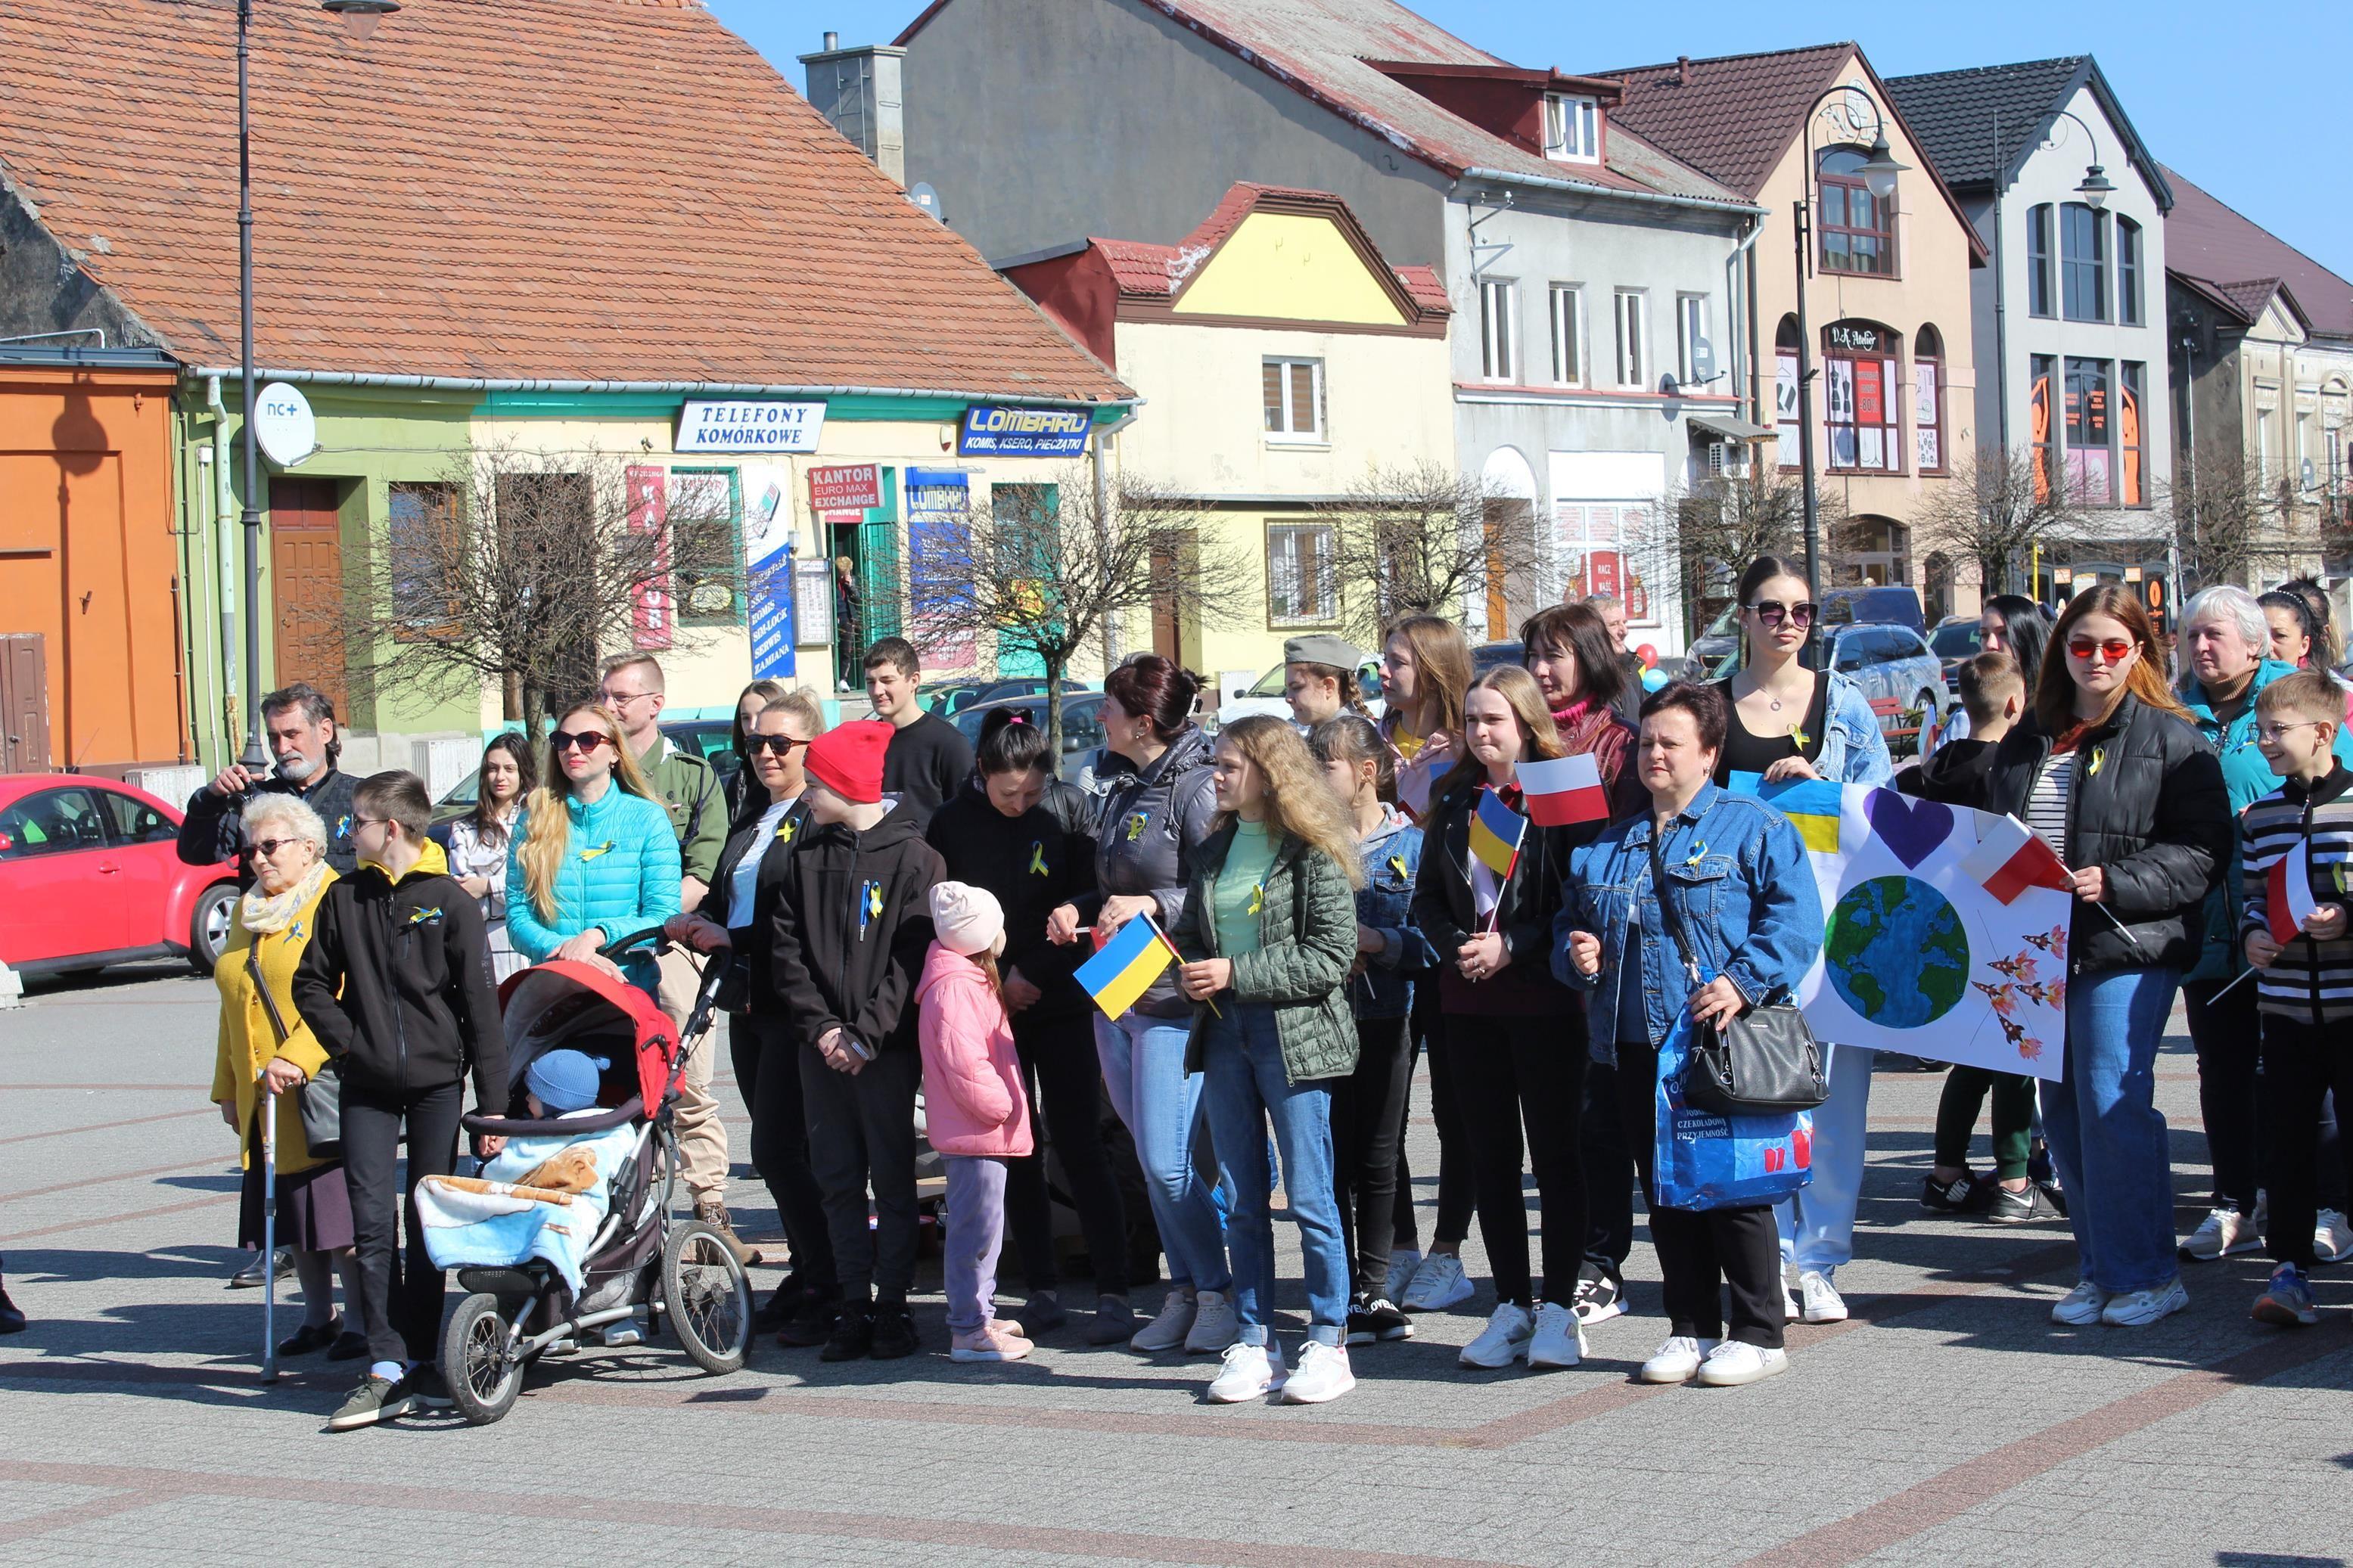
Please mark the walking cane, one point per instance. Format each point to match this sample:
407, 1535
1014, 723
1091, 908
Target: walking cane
269, 1235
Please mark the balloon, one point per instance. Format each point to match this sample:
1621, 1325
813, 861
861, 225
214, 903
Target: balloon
1649, 654
1654, 679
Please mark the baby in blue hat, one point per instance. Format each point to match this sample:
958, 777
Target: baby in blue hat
562, 1082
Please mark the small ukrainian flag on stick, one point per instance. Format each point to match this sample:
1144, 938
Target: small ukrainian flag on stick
1124, 968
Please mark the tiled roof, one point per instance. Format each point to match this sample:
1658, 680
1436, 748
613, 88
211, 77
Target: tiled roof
1429, 290
1144, 270
1322, 49
571, 190
1953, 113
1732, 117
2206, 239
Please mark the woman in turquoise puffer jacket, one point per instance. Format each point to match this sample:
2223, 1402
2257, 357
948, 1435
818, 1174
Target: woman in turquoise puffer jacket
595, 857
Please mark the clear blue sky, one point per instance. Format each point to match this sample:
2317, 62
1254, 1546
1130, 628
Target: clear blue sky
2251, 109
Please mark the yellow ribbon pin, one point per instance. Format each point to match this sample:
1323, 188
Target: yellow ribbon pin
1037, 857
1397, 864
604, 848
1136, 825
785, 834
2099, 756
1798, 735
1257, 897
874, 898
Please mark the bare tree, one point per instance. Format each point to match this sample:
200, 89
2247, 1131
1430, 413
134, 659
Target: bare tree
1702, 533
1994, 510
2225, 515
1420, 538
519, 569
1043, 577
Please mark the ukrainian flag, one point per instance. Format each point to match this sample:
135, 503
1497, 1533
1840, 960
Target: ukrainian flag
1126, 965
1495, 830
1813, 807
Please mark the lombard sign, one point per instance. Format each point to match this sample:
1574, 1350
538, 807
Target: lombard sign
283, 425
749, 427
993, 430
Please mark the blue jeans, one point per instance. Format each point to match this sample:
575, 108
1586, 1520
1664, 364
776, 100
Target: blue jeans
1144, 1072
2107, 1137
1242, 1060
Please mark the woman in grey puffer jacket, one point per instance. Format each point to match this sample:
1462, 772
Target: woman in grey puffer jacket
1151, 822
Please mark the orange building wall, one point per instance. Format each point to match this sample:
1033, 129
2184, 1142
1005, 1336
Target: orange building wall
88, 557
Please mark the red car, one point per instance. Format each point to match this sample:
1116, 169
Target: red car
91, 875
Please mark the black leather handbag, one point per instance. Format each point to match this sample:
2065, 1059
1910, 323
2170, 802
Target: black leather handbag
321, 1098
1763, 1062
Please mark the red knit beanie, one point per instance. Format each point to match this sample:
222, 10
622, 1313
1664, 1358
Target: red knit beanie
847, 759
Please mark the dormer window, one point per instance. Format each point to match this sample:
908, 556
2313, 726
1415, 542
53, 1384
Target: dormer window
1572, 129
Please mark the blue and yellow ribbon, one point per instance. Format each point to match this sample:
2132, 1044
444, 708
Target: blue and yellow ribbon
1037, 857
604, 848
1257, 897
1137, 823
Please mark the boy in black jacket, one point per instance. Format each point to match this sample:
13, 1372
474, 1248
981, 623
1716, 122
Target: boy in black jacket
396, 987
852, 927
1994, 695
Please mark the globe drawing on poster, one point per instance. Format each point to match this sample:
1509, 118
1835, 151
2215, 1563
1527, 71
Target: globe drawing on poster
1934, 942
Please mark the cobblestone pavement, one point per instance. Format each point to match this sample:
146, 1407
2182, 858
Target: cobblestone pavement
1947, 1422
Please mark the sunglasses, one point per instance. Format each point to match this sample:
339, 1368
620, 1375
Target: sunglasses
587, 740
2116, 649
1772, 611
268, 848
781, 745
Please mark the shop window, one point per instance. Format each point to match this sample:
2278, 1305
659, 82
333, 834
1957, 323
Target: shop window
1784, 389
2042, 369
706, 529
1860, 389
1857, 228
2132, 451
1928, 400
2090, 433
1292, 389
1302, 587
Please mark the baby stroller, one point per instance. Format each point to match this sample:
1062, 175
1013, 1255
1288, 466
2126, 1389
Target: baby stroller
643, 1256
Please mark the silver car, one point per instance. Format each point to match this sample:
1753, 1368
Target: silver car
1903, 680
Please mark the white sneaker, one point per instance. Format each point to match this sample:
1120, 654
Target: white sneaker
1791, 1311
2080, 1306
1250, 1371
1215, 1324
1402, 1265
2222, 1233
1558, 1339
1823, 1301
1504, 1341
1167, 1331
2136, 1309
1323, 1374
1677, 1360
1735, 1362
1437, 1284
2332, 1237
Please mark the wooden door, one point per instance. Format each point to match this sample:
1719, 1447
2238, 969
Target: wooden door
306, 564
24, 704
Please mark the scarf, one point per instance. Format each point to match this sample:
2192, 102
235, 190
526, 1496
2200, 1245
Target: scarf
264, 914
1564, 719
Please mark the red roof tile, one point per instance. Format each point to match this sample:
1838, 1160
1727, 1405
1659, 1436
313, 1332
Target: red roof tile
574, 190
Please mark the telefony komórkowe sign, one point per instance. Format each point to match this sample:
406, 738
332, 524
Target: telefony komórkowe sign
993, 430
749, 427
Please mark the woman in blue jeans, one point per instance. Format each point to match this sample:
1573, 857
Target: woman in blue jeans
2109, 769
1268, 935
1154, 812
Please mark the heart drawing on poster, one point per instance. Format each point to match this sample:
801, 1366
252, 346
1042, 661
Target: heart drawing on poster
1911, 830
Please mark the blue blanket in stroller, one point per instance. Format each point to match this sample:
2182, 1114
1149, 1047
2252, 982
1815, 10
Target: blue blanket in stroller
541, 1197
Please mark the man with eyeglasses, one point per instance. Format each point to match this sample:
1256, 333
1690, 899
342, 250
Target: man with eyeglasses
631, 687
300, 723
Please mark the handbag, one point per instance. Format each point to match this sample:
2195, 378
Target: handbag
1762, 1061
320, 1100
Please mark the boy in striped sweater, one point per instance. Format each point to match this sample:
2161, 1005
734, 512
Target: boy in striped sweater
2296, 845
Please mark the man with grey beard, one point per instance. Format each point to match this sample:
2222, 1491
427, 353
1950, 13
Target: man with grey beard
300, 723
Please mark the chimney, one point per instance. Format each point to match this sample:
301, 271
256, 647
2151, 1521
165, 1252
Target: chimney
1683, 69
857, 90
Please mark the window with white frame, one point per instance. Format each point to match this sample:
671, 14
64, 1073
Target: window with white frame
1302, 586
1691, 331
1569, 335
1572, 129
1633, 329
1499, 346
1292, 389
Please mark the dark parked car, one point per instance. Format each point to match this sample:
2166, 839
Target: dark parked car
1956, 640
1082, 729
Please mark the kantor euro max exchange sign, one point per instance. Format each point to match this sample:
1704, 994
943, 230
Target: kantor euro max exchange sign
993, 430
749, 427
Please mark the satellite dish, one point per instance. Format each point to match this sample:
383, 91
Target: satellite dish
924, 196
1668, 387
284, 425
1703, 361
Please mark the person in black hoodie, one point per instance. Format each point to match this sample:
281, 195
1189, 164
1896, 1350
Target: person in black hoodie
929, 758
852, 927
1022, 834
396, 987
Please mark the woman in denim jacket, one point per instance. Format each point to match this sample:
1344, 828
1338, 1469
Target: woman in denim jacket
1745, 896
1788, 722
1368, 1107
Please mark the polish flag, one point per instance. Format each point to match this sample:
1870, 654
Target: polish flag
2009, 858
1564, 790
2288, 893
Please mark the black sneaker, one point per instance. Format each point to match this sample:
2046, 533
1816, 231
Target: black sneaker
787, 1300
812, 1321
12, 1317
1599, 1299
894, 1335
429, 1389
2006, 1207
1375, 1318
1115, 1322
350, 1346
1964, 1195
853, 1335
1042, 1314
375, 1399
310, 1338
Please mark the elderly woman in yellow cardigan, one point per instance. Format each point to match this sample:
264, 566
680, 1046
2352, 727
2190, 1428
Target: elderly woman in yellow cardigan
286, 846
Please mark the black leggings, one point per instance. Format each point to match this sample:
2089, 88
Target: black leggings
1368, 1121
1457, 1192
1701, 1251
1517, 1073
767, 1075
2227, 1036
1065, 1083
405, 1326
1608, 1178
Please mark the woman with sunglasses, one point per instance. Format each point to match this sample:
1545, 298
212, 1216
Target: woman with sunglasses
733, 916
594, 855
743, 789
2108, 768
1788, 722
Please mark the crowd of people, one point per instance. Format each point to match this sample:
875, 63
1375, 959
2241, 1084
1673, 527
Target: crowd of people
901, 914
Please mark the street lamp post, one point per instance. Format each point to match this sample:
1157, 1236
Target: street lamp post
1879, 171
359, 18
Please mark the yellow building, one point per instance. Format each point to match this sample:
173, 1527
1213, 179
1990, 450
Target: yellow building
1285, 366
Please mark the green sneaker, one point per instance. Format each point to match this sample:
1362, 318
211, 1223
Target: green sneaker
375, 1399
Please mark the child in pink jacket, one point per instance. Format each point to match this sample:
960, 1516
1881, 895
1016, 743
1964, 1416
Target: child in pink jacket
975, 1108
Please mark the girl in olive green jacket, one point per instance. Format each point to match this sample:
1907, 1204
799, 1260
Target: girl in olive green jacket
1269, 934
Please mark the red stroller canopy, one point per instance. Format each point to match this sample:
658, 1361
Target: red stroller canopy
566, 1005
